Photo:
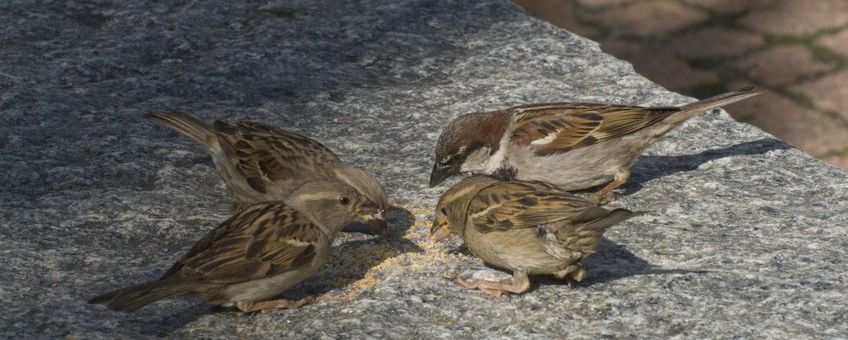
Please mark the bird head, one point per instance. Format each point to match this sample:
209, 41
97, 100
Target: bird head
333, 204
451, 210
467, 144
370, 187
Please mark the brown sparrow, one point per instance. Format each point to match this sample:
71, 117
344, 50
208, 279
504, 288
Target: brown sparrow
260, 163
573, 145
258, 253
528, 228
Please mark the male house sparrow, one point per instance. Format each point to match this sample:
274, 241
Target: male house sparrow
528, 228
573, 145
258, 253
260, 163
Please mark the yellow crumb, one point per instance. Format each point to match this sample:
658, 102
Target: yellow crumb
362, 266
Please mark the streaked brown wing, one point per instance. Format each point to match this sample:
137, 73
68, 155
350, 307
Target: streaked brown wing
582, 233
264, 155
560, 127
513, 205
263, 239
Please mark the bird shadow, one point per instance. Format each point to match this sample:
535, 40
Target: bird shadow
353, 260
612, 262
648, 168
609, 263
177, 319
168, 315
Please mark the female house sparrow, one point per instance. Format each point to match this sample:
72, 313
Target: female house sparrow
573, 145
258, 253
260, 163
528, 228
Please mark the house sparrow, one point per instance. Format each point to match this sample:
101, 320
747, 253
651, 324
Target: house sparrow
260, 163
260, 252
528, 228
573, 145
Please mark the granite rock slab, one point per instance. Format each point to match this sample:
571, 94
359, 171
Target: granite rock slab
748, 236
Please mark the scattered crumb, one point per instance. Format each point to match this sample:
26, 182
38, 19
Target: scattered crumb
367, 265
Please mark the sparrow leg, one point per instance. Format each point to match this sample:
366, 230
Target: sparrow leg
520, 284
271, 305
603, 196
572, 274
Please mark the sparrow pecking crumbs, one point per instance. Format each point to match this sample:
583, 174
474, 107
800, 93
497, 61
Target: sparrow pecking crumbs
528, 228
260, 252
260, 163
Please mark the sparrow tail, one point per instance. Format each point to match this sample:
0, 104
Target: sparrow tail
696, 108
185, 124
132, 298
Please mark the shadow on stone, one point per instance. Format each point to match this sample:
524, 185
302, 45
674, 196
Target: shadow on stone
359, 227
167, 315
648, 168
178, 318
609, 263
613, 261
461, 249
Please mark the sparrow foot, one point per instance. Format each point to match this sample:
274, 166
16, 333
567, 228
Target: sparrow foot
520, 284
272, 305
572, 275
605, 195
605, 199
481, 285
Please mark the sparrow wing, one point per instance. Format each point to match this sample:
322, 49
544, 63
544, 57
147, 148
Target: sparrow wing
513, 205
581, 233
560, 127
265, 156
259, 241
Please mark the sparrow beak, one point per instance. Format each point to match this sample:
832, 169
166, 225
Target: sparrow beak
439, 231
377, 223
440, 173
374, 217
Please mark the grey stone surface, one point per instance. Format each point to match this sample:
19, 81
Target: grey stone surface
748, 238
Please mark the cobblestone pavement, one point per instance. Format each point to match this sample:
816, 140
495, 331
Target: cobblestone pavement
796, 49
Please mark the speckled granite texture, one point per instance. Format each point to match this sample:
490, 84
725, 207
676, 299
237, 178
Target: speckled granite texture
748, 239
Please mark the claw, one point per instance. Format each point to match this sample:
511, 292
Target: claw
496, 288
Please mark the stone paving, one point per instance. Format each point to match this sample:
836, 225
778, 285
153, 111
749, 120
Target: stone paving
796, 49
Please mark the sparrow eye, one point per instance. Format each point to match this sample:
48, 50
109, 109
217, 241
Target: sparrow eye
444, 211
448, 159
344, 200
